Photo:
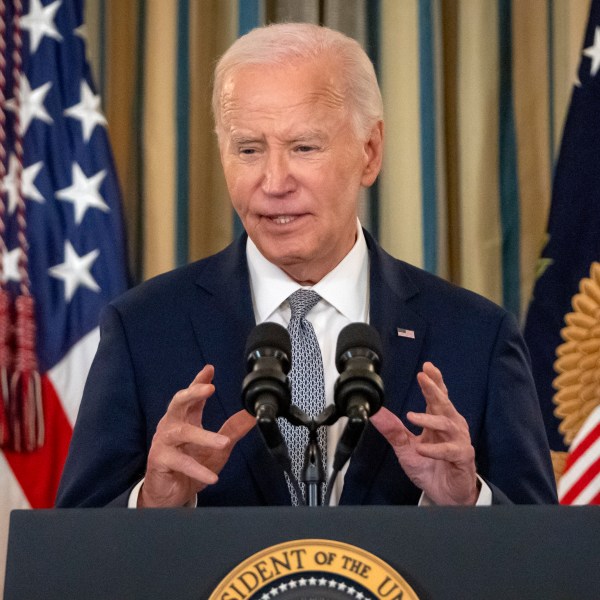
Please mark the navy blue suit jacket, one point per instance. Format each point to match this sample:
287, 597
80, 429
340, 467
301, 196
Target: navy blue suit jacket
156, 337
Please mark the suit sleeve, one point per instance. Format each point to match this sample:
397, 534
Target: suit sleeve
512, 453
107, 455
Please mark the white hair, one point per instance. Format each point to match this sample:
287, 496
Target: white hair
281, 43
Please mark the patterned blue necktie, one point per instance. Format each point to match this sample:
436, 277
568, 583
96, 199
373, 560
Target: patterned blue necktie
307, 381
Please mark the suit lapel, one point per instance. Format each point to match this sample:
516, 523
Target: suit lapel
222, 322
391, 291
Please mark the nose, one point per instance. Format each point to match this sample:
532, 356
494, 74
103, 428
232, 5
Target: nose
277, 178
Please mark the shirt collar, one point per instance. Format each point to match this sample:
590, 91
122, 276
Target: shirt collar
345, 288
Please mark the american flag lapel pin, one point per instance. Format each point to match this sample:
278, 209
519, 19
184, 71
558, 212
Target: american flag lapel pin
406, 333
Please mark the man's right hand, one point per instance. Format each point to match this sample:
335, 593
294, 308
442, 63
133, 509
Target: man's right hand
184, 457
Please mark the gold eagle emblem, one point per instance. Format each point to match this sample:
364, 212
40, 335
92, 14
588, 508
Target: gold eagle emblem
577, 365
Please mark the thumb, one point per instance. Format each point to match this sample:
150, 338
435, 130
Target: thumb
391, 427
238, 425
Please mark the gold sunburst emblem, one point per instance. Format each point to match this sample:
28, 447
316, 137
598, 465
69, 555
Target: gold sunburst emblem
578, 364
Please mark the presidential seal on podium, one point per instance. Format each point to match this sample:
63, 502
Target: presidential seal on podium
313, 569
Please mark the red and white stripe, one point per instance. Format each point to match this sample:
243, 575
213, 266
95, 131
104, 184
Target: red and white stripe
30, 479
580, 483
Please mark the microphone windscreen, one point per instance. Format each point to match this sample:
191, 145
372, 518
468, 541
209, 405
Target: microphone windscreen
354, 336
269, 335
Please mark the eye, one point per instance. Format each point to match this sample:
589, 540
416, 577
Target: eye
303, 148
247, 151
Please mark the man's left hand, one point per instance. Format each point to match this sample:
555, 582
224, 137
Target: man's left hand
440, 460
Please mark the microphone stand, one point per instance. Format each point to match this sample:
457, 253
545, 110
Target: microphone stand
313, 473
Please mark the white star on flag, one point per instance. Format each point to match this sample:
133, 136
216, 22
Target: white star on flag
9, 183
39, 21
84, 192
10, 265
32, 104
82, 32
593, 52
75, 271
87, 111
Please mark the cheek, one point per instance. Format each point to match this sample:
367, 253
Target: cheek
340, 187
240, 204
241, 177
236, 185
347, 170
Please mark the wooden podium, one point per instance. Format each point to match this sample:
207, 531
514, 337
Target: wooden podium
500, 552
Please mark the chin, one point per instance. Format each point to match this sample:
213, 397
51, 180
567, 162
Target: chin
283, 254
286, 261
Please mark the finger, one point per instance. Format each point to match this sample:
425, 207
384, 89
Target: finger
238, 425
437, 423
436, 398
184, 433
189, 403
448, 451
205, 375
201, 387
176, 461
391, 427
436, 375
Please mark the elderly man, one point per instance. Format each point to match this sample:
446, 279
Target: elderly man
299, 122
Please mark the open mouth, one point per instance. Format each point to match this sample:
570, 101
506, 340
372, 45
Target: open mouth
283, 219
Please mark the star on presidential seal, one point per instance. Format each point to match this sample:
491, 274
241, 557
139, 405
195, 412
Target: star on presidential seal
313, 570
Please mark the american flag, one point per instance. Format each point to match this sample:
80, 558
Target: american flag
73, 225
580, 483
568, 265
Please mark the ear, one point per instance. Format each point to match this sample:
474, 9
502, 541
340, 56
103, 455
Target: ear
373, 153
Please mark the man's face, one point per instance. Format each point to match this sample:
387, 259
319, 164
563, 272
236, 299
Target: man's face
294, 165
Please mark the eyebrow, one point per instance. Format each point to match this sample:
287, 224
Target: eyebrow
309, 136
246, 139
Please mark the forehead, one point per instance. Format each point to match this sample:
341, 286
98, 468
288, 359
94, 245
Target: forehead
279, 90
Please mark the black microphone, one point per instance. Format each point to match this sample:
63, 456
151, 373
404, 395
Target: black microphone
358, 392
266, 388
